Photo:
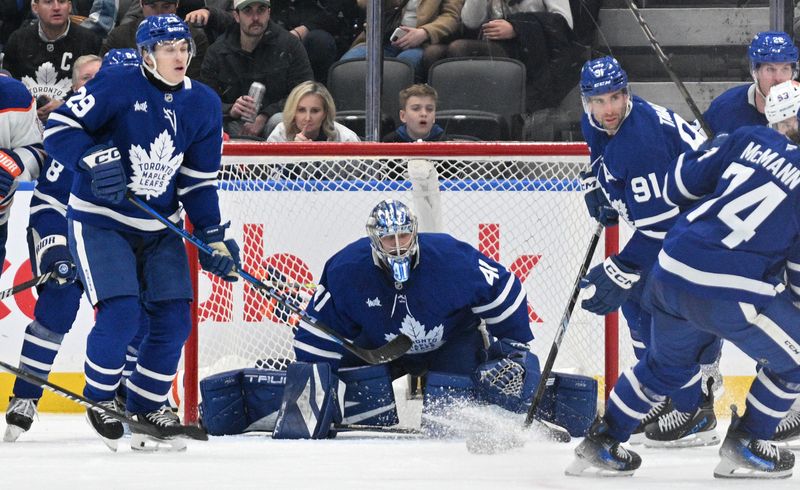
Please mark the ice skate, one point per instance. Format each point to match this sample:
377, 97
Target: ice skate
657, 411
743, 456
788, 432
684, 429
600, 455
168, 423
107, 427
19, 417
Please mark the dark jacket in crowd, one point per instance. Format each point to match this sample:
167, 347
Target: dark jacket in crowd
279, 61
400, 135
124, 36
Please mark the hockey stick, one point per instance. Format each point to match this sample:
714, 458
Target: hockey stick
666, 63
190, 431
402, 431
385, 353
562, 327
489, 443
32, 283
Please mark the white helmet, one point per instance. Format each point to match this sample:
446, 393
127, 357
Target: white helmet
782, 102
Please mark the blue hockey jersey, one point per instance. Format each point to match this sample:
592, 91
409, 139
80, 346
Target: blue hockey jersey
745, 227
50, 197
734, 108
630, 167
451, 288
170, 143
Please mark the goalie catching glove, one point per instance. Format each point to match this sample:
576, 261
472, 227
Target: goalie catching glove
597, 202
612, 282
52, 255
225, 260
510, 375
104, 165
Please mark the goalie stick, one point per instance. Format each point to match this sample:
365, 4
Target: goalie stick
488, 443
667, 66
32, 283
189, 431
385, 353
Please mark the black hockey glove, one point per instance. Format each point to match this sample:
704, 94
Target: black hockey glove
225, 260
10, 168
53, 256
104, 165
596, 202
612, 282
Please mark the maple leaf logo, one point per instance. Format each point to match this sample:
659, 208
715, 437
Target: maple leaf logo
622, 209
153, 171
47, 82
423, 341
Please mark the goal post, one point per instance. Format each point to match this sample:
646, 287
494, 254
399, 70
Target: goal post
293, 205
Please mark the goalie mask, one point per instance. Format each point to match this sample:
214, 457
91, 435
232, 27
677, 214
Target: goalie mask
782, 105
603, 76
162, 30
392, 231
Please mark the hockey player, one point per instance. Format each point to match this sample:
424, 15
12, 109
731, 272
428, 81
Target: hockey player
773, 60
717, 275
633, 143
153, 132
59, 300
21, 153
429, 286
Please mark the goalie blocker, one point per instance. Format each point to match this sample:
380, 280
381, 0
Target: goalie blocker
306, 401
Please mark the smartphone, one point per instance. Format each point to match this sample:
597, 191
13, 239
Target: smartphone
397, 34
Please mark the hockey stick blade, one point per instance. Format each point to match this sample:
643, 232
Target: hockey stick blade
32, 283
385, 353
401, 431
189, 431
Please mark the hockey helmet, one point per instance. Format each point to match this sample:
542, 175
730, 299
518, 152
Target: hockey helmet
392, 231
782, 102
772, 47
158, 29
124, 56
601, 76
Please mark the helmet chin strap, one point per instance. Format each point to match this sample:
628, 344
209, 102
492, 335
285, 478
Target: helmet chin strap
154, 69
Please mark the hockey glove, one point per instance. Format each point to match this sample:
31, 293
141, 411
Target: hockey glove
611, 282
509, 376
715, 142
11, 167
596, 202
53, 256
104, 164
225, 260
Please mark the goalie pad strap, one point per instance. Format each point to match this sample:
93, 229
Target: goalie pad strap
369, 397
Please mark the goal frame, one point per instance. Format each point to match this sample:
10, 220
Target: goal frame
253, 151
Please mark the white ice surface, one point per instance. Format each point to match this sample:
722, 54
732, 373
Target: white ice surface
61, 452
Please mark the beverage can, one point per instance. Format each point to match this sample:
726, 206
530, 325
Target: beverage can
256, 91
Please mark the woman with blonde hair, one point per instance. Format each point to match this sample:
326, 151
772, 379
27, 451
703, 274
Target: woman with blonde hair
308, 115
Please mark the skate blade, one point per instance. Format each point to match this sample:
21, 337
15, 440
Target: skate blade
637, 439
584, 468
146, 443
728, 469
698, 439
791, 444
110, 443
12, 433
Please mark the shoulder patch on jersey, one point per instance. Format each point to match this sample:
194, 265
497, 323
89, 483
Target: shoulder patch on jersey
489, 272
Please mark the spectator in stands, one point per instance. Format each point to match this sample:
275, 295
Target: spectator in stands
309, 115
536, 32
124, 36
255, 49
41, 55
134, 13
418, 113
84, 69
99, 16
215, 17
420, 23
773, 60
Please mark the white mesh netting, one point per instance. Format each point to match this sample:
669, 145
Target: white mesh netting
290, 213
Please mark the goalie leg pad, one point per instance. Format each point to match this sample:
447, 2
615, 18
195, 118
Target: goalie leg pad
570, 401
263, 391
443, 391
369, 397
311, 402
222, 409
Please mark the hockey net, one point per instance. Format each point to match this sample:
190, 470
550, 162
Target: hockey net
294, 205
